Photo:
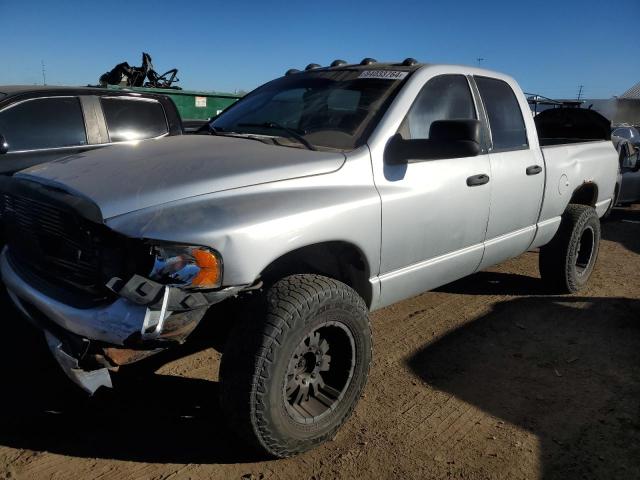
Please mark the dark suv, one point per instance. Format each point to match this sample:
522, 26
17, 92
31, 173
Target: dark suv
41, 123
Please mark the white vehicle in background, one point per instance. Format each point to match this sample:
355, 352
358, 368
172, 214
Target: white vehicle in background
626, 139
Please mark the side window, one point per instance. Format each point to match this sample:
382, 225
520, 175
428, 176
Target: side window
508, 131
133, 119
44, 123
622, 132
446, 97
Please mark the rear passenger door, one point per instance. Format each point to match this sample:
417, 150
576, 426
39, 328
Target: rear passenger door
38, 130
129, 118
517, 173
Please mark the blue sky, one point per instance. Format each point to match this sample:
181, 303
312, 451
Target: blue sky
549, 47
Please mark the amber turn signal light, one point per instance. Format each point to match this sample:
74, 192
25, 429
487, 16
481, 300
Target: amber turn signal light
209, 274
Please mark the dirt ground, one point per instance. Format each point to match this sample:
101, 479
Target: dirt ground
489, 377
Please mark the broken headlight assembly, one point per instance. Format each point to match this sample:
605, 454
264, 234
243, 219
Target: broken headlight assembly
187, 266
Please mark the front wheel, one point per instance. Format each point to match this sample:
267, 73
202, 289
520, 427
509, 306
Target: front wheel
294, 370
566, 263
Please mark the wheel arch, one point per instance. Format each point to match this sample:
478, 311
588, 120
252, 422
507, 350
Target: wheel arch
340, 260
585, 194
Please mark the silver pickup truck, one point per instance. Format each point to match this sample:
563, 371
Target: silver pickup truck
317, 198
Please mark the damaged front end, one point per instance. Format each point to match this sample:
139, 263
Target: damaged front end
103, 299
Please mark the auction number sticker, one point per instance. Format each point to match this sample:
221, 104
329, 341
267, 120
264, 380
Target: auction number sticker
383, 74
201, 102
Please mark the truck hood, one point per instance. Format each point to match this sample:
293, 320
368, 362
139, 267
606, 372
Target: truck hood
125, 178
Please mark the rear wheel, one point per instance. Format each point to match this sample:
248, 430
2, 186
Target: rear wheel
294, 370
566, 263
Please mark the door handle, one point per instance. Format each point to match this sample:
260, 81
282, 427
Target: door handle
476, 180
534, 170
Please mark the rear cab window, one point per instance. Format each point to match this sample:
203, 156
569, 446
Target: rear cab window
43, 123
133, 119
508, 131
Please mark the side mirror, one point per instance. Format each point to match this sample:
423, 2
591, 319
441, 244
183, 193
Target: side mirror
4, 146
447, 139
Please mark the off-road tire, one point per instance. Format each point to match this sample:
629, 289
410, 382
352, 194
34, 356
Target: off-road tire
566, 263
261, 349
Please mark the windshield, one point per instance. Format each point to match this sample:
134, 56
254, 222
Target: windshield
333, 109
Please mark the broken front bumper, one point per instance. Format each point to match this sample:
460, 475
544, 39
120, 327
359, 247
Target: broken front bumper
87, 342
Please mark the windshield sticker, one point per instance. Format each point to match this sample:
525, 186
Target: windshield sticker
383, 74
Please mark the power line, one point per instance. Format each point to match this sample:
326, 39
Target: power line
480, 60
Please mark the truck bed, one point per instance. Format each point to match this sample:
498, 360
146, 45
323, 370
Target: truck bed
561, 126
550, 142
570, 166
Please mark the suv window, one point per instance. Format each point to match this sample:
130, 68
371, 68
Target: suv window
446, 97
43, 123
129, 119
623, 133
508, 131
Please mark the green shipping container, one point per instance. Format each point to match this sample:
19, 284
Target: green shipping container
192, 105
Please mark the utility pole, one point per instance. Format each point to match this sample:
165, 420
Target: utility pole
580, 92
44, 75
480, 60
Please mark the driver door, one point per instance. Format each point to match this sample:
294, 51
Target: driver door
433, 222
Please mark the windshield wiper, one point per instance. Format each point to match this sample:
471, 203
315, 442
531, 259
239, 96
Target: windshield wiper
276, 126
210, 130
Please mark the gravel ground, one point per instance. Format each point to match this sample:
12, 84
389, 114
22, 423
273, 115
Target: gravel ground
488, 377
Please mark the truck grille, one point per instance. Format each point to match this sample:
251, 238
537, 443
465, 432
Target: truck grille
54, 244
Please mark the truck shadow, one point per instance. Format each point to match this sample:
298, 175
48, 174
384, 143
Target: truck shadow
497, 283
563, 368
148, 417
507, 363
